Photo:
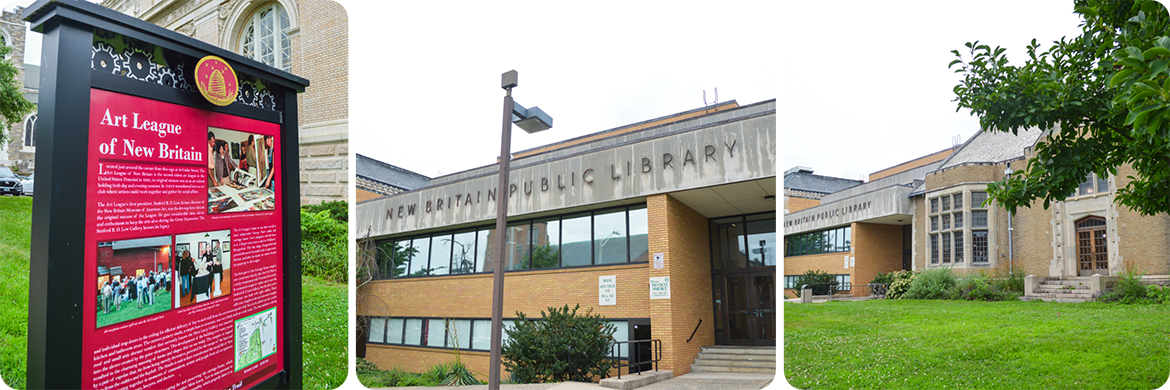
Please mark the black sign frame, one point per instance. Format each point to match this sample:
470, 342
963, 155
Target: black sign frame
56, 281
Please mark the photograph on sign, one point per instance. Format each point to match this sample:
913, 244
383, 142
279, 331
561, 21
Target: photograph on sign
205, 274
133, 279
155, 198
241, 180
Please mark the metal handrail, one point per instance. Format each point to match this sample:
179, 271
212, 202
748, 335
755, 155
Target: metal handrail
696, 330
655, 350
835, 288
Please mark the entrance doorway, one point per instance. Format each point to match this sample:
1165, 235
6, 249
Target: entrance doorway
743, 267
750, 305
1092, 251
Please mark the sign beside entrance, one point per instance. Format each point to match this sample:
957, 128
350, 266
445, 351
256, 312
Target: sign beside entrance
660, 287
607, 290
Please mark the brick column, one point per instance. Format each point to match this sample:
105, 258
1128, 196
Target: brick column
681, 235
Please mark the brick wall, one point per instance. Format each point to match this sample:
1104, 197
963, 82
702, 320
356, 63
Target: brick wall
1144, 241
832, 263
470, 296
794, 204
877, 248
681, 235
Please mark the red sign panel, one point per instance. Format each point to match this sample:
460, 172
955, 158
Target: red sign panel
183, 248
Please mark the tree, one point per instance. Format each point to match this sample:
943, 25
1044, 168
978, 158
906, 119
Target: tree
1105, 94
13, 105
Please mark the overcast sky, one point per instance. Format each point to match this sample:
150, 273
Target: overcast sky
866, 86
860, 86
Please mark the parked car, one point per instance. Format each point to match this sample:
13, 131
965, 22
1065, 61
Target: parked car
28, 184
9, 183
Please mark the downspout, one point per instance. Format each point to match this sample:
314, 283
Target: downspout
1011, 234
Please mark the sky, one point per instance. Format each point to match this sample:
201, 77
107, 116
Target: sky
860, 86
425, 76
867, 85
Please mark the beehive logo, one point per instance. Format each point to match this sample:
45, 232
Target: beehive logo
216, 80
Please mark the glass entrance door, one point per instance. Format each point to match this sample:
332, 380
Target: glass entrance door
751, 308
743, 267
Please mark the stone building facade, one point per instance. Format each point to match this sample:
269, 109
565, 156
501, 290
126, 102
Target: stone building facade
308, 38
19, 153
937, 214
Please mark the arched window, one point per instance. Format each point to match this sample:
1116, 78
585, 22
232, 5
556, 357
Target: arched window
30, 131
264, 39
1092, 251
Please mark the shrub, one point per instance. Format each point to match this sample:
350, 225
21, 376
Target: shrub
1158, 294
338, 209
1129, 289
1006, 280
885, 278
900, 284
931, 284
563, 346
821, 282
324, 246
978, 288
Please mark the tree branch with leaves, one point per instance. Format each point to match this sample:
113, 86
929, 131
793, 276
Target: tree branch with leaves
1105, 94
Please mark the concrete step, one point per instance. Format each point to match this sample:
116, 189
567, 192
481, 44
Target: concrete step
1047, 299
707, 368
1045, 290
1065, 286
743, 357
738, 363
1061, 295
1067, 282
731, 350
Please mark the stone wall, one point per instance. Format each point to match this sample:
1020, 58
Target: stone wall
319, 36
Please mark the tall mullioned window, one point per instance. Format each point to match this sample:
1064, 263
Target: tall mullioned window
264, 39
610, 236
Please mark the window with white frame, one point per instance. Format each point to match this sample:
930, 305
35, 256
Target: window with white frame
263, 37
1093, 184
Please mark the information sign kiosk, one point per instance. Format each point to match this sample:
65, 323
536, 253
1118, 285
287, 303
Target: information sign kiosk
166, 235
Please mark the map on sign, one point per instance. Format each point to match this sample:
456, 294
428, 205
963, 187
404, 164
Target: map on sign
255, 338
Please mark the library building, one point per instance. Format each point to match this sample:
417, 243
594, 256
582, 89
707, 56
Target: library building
930, 212
666, 227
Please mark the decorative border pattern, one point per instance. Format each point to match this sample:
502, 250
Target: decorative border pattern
120, 56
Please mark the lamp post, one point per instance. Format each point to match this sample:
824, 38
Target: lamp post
530, 120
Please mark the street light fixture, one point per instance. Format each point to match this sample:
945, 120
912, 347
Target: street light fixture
530, 120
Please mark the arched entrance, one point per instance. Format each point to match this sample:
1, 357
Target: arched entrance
1092, 251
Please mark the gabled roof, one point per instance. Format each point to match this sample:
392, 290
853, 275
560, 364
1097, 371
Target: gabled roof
993, 147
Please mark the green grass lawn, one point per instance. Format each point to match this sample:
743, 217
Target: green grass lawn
987, 345
15, 226
325, 328
130, 310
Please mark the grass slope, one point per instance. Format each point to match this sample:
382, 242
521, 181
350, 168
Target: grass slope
989, 345
325, 327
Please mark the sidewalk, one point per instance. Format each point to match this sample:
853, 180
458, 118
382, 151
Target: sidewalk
694, 381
